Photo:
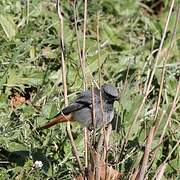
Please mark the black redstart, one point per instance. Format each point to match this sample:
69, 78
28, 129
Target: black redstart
81, 110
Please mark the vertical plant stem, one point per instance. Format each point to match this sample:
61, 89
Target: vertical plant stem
98, 47
27, 12
105, 139
152, 73
171, 111
58, 6
84, 45
160, 172
94, 116
97, 159
108, 132
162, 81
166, 59
82, 58
144, 166
158, 122
78, 38
167, 122
155, 131
174, 148
85, 80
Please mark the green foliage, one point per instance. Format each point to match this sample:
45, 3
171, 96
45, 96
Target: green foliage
31, 82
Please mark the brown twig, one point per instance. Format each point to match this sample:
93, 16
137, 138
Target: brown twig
160, 172
93, 115
167, 122
108, 132
161, 87
84, 46
97, 173
171, 111
78, 38
162, 167
152, 73
144, 166
83, 64
165, 59
58, 6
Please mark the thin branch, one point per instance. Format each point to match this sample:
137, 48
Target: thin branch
146, 155
83, 64
98, 48
171, 111
58, 6
160, 172
152, 73
166, 59
162, 167
93, 115
77, 37
84, 45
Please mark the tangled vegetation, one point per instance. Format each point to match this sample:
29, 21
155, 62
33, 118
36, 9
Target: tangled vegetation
127, 44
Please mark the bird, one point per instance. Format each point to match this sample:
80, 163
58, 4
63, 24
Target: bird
81, 110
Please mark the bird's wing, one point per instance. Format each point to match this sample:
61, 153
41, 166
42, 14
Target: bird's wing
83, 100
71, 108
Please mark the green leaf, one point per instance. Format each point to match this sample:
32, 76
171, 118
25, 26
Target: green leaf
134, 106
19, 79
49, 110
171, 85
8, 26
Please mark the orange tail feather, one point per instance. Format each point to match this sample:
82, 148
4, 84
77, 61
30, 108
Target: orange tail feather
59, 119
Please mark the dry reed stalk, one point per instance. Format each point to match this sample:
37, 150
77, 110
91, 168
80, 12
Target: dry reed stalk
171, 111
108, 132
59, 11
77, 36
155, 130
82, 58
105, 136
83, 64
167, 122
84, 46
105, 172
134, 175
144, 164
165, 59
160, 172
162, 82
140, 171
93, 115
152, 73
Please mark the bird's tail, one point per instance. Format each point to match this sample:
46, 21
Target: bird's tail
57, 119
